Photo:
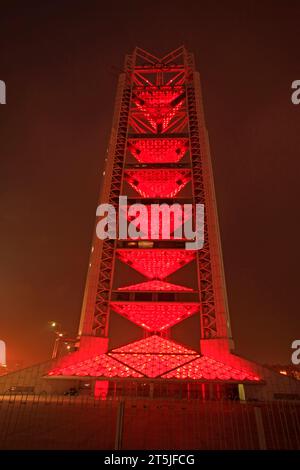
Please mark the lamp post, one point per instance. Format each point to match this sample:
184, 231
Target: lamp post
56, 327
59, 337
55, 348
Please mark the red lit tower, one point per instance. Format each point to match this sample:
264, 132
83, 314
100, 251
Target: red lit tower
158, 153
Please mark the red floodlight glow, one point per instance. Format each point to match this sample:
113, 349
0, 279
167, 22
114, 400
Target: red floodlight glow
156, 263
165, 183
158, 150
154, 316
154, 286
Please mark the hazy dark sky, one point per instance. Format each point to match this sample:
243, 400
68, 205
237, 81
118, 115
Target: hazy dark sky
60, 62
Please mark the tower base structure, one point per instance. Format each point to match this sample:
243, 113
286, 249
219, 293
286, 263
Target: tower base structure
207, 376
215, 373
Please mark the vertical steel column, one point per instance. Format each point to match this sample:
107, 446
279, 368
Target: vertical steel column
214, 312
95, 310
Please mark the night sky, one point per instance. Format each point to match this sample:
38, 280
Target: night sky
60, 61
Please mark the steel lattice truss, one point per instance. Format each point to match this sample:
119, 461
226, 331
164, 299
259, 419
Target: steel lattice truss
159, 121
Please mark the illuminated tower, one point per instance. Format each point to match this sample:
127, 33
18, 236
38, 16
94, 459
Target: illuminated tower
158, 153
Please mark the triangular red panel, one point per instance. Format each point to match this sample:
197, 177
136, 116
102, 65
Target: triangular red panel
159, 105
156, 263
209, 369
154, 286
97, 366
154, 345
158, 150
162, 183
155, 316
153, 356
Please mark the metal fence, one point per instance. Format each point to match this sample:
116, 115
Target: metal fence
65, 422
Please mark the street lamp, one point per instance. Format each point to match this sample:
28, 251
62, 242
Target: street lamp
59, 336
56, 344
55, 326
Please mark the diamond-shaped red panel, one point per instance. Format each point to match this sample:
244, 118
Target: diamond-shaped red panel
159, 105
155, 316
164, 183
158, 150
98, 366
156, 285
156, 263
209, 369
153, 356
